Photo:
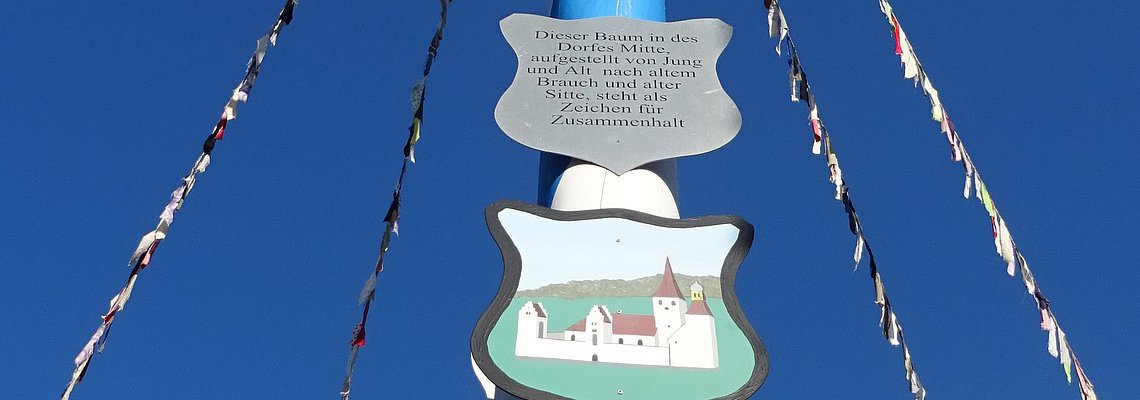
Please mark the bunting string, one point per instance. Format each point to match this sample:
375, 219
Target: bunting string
1006, 247
392, 216
149, 242
821, 138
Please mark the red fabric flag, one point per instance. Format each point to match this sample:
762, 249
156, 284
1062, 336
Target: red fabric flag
898, 38
220, 128
358, 336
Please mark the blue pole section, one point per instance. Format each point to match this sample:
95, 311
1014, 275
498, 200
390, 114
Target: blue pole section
652, 10
551, 166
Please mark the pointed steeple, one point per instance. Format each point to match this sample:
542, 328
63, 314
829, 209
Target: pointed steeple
668, 286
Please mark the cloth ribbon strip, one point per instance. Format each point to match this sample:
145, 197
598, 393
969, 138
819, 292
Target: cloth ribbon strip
801, 91
149, 242
1006, 247
392, 216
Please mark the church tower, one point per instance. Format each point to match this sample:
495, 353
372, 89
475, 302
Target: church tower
697, 292
695, 345
532, 326
668, 305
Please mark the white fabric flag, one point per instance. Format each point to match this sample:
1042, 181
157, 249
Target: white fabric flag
74, 379
794, 84
262, 47
190, 181
1006, 247
120, 300
145, 243
1053, 338
935, 102
203, 162
969, 165
369, 287
777, 25
89, 348
167, 215
1066, 354
916, 386
230, 111
995, 224
978, 185
880, 291
836, 175
893, 337
238, 95
909, 61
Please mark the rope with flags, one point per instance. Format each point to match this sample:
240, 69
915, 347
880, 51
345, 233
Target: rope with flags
1007, 248
143, 253
392, 216
821, 140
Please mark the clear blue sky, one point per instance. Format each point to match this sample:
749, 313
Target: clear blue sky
253, 295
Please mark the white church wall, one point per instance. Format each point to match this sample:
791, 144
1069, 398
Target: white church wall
576, 336
558, 349
632, 339
639, 355
586, 351
694, 345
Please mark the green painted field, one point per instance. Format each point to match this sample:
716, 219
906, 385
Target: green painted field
582, 380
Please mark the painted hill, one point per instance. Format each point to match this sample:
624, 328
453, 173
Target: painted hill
640, 287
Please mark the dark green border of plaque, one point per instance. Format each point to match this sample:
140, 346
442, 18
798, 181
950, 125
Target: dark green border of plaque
512, 268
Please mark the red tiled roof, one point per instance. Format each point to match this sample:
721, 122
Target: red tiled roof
699, 308
633, 324
579, 326
668, 286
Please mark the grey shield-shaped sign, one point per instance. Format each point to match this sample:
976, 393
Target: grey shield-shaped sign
617, 92
617, 304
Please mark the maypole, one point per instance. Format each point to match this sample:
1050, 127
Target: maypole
581, 185
569, 184
612, 95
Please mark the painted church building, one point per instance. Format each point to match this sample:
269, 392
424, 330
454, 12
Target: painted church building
677, 334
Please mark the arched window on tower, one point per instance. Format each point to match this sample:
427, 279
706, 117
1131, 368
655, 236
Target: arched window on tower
621, 341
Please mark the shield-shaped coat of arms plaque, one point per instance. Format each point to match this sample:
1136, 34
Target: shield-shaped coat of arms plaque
618, 304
